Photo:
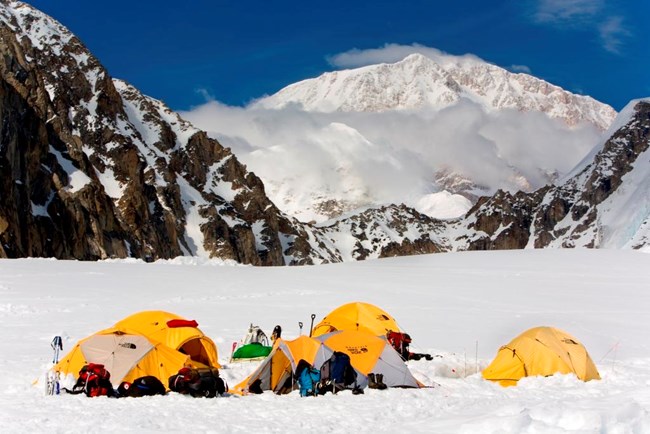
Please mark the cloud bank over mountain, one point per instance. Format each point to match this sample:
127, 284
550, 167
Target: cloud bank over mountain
393, 156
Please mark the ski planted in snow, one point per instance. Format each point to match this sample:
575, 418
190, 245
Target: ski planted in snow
53, 386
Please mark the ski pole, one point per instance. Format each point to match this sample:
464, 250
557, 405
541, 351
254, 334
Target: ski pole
311, 328
300, 325
53, 377
57, 345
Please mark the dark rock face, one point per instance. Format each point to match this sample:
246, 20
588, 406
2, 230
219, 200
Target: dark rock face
41, 215
501, 221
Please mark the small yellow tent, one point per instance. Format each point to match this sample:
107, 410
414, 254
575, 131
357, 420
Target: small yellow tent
541, 351
371, 354
276, 371
357, 316
129, 352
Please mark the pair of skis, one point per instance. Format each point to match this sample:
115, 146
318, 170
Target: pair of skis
53, 386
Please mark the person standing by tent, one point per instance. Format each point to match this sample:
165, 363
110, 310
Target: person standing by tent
401, 342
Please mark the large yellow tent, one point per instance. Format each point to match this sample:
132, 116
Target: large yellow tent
138, 346
371, 354
357, 316
541, 351
175, 332
276, 372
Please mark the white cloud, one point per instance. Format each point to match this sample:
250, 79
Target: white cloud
567, 11
520, 68
391, 156
391, 53
612, 33
593, 15
205, 93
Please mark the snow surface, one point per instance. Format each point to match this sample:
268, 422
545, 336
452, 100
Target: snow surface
449, 303
444, 205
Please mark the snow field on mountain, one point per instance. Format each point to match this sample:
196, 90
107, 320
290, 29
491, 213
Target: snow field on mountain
449, 303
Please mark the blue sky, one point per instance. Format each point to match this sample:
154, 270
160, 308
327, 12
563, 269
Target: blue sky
234, 51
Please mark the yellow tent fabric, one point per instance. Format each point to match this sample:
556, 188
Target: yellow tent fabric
129, 353
371, 354
275, 371
188, 340
159, 360
541, 351
357, 316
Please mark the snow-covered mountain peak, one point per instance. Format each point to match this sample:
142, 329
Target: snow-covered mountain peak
43, 31
414, 82
420, 82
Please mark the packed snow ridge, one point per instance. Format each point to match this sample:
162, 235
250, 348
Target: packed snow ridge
418, 82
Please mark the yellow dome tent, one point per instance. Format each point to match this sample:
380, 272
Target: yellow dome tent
175, 332
357, 316
541, 351
277, 369
132, 352
371, 354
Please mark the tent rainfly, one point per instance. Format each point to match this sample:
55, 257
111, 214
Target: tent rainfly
357, 316
541, 351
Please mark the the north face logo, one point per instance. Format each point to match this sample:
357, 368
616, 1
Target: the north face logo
129, 345
357, 350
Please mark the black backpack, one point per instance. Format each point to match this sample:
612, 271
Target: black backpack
198, 382
143, 386
337, 373
211, 383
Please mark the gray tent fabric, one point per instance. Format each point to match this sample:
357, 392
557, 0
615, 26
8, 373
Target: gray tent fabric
118, 353
267, 372
387, 361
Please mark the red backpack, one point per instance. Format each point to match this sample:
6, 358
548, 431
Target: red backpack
94, 380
